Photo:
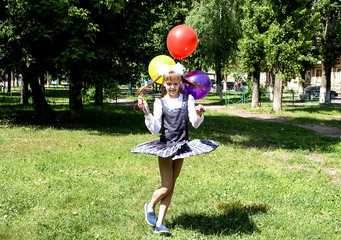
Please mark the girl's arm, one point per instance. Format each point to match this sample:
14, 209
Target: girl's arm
192, 113
153, 122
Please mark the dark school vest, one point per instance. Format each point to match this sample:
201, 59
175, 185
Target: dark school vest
174, 122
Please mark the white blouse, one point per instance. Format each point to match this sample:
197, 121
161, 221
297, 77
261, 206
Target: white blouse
153, 122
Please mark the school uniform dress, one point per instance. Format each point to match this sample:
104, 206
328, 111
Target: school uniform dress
173, 114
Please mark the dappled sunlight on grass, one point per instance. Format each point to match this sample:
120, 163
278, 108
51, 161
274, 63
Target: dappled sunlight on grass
248, 133
264, 181
223, 128
329, 115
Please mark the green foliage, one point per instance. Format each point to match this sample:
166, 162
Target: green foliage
216, 25
277, 35
238, 75
111, 91
254, 23
89, 94
106, 38
114, 40
328, 36
289, 37
169, 14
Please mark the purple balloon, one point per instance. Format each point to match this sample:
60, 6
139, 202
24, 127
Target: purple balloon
198, 77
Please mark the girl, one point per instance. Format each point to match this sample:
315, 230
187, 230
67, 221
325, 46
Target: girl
172, 112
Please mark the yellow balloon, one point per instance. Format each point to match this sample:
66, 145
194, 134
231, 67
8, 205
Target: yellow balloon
156, 63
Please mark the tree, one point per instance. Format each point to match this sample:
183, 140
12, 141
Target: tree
276, 34
170, 14
19, 38
287, 41
111, 44
90, 40
254, 24
328, 41
217, 28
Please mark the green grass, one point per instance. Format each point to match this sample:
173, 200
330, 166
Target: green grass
325, 115
265, 181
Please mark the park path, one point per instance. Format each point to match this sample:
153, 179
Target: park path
327, 131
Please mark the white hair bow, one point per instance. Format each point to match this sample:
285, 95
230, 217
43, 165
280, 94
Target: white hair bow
165, 69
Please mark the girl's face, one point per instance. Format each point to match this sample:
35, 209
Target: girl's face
172, 87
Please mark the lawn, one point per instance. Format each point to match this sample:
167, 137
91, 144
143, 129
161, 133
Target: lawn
299, 113
265, 181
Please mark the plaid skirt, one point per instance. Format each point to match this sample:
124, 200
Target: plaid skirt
178, 150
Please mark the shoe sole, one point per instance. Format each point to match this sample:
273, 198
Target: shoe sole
145, 215
165, 233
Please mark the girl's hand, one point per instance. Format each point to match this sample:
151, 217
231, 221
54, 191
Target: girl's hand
141, 102
143, 105
200, 110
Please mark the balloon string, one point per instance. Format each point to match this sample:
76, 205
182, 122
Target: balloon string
144, 90
181, 59
140, 109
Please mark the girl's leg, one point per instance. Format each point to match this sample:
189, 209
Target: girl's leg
165, 201
166, 173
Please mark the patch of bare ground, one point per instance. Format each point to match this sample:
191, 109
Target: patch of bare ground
265, 117
331, 171
315, 158
334, 118
336, 181
269, 153
327, 131
299, 167
247, 114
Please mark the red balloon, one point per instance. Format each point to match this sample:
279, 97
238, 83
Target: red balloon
182, 40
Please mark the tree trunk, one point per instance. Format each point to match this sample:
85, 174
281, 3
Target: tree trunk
39, 100
47, 79
267, 78
13, 79
42, 82
301, 85
255, 91
272, 78
277, 104
324, 90
2, 82
16, 75
99, 93
329, 82
24, 92
325, 84
300, 90
9, 83
75, 97
218, 83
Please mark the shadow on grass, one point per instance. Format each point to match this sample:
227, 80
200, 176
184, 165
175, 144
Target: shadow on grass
217, 103
57, 93
248, 133
306, 115
332, 122
106, 119
225, 129
316, 109
235, 221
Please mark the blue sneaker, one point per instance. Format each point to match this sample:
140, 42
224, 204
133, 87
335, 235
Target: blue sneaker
150, 216
162, 229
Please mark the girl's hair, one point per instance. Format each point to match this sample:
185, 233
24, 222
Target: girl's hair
168, 77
